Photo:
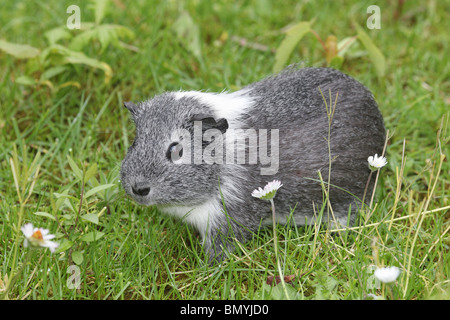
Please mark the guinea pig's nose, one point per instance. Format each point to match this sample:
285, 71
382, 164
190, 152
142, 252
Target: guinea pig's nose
140, 191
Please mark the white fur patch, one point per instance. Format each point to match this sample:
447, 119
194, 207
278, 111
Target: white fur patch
224, 105
200, 217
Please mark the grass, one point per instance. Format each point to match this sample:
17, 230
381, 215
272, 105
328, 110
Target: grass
144, 255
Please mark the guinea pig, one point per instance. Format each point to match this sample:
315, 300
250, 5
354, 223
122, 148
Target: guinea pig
199, 155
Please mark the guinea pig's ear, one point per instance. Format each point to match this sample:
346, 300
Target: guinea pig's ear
131, 107
209, 122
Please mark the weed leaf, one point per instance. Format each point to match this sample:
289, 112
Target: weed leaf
188, 33
99, 10
92, 236
19, 51
77, 257
293, 36
98, 188
64, 245
91, 217
45, 214
375, 54
75, 169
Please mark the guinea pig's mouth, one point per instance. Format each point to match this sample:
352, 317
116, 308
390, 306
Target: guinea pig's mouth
147, 195
143, 201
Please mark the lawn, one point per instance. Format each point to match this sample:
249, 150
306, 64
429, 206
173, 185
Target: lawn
64, 133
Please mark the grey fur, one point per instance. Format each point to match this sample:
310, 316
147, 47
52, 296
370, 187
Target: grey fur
290, 102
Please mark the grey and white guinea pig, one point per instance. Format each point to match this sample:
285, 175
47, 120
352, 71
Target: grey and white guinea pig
199, 155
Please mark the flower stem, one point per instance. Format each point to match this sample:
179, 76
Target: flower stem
365, 189
275, 241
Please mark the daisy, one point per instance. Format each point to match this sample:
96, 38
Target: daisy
388, 274
268, 192
376, 162
38, 237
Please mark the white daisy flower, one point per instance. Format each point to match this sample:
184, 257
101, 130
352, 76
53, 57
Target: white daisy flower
269, 190
376, 162
38, 237
387, 274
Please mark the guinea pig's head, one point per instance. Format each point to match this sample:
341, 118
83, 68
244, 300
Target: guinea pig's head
165, 164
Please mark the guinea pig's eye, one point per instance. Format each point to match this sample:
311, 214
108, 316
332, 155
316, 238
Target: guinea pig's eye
174, 152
